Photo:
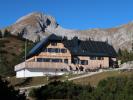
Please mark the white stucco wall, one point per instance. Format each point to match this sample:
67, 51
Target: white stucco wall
36, 72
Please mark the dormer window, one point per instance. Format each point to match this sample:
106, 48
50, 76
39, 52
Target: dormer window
54, 44
54, 50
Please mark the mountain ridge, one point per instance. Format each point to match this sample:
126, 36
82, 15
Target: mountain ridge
37, 25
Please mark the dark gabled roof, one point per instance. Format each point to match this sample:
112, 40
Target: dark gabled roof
77, 47
39, 46
90, 48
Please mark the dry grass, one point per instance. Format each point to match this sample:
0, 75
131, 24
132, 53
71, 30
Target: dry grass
23, 82
13, 47
93, 80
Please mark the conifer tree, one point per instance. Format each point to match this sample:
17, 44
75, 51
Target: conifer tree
0, 34
6, 33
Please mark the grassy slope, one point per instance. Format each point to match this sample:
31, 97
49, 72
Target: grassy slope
12, 51
93, 80
22, 82
13, 48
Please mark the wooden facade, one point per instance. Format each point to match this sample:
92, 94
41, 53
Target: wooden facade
56, 57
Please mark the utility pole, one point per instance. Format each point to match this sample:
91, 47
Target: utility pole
0, 53
25, 54
25, 48
132, 42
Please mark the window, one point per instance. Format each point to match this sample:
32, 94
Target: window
46, 60
39, 60
51, 50
84, 62
66, 61
54, 44
63, 50
60, 60
56, 60
54, 50
92, 58
57, 50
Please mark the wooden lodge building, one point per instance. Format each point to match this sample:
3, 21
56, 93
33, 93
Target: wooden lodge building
56, 55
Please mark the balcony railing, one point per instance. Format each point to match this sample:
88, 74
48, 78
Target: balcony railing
41, 65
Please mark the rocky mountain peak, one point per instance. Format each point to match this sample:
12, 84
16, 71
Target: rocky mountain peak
33, 25
38, 17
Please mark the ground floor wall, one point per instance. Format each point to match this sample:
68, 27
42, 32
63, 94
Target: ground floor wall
97, 63
37, 72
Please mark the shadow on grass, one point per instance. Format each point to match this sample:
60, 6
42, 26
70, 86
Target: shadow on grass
24, 82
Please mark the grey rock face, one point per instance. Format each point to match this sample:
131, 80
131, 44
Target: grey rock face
38, 25
34, 24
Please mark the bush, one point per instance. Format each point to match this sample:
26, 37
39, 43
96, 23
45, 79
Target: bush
7, 33
113, 88
0, 34
33, 92
24, 82
2, 45
4, 41
125, 55
13, 54
7, 92
59, 90
3, 51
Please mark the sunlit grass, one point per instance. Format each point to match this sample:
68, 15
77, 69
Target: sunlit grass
94, 79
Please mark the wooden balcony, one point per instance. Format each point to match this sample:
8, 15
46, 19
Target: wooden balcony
41, 65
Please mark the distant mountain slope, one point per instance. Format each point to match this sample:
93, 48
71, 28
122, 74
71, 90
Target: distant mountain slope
37, 25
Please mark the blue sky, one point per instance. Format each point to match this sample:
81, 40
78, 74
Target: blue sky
72, 14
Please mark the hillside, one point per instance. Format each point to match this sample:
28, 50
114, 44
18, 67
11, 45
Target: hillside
35, 26
92, 80
95, 79
12, 52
